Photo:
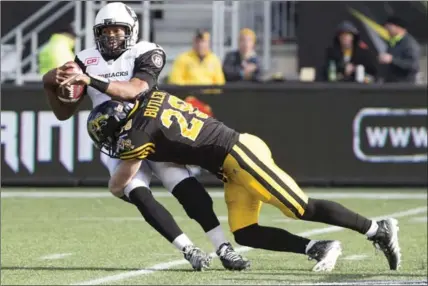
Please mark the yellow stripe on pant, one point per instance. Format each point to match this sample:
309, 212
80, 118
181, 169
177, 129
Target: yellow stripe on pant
256, 173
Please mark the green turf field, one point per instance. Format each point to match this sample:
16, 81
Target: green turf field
98, 240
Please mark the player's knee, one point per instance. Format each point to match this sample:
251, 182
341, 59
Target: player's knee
116, 191
193, 197
197, 203
134, 184
246, 236
301, 215
171, 181
310, 209
144, 197
148, 206
317, 208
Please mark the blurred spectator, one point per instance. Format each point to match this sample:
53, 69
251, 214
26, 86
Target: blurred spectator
58, 50
346, 53
244, 63
198, 66
401, 59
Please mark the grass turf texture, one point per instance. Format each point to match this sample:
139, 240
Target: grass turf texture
105, 237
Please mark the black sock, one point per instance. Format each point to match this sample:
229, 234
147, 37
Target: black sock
270, 238
126, 199
154, 213
335, 214
196, 202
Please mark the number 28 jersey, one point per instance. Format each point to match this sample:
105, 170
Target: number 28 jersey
166, 129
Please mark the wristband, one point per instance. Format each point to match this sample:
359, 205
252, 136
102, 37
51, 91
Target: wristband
99, 83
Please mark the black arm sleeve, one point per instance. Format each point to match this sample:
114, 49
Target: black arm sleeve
80, 63
149, 65
83, 68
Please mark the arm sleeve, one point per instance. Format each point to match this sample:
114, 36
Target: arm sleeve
136, 145
83, 68
219, 75
80, 63
231, 71
178, 71
149, 65
409, 60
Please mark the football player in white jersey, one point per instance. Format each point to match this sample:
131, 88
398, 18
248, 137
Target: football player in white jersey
121, 68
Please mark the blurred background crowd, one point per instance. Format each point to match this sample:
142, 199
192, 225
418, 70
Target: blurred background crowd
213, 43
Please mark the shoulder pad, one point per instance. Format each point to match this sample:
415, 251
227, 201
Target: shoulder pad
144, 47
88, 53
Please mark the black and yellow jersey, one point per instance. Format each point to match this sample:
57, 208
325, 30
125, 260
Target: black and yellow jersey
167, 129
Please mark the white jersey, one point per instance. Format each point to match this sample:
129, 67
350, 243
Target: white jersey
144, 57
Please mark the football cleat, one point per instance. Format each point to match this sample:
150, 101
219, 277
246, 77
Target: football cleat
326, 253
197, 258
386, 240
230, 259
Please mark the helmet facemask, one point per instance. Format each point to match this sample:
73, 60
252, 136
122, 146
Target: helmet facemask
112, 46
112, 15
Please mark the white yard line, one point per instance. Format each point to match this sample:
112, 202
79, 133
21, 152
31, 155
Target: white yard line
160, 194
167, 265
355, 257
55, 256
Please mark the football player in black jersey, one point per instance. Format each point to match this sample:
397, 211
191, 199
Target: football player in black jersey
165, 128
121, 67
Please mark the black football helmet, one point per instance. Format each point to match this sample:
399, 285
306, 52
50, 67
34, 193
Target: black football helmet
105, 123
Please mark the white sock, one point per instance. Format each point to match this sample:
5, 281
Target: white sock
373, 229
181, 241
216, 235
310, 244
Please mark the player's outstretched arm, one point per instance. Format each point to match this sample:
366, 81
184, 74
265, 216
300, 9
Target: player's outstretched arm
124, 173
126, 90
51, 82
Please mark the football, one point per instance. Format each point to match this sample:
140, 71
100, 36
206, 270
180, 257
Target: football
72, 93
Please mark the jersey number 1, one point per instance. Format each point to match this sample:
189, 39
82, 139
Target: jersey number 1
180, 106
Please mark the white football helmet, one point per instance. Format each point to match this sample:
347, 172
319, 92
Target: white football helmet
115, 14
